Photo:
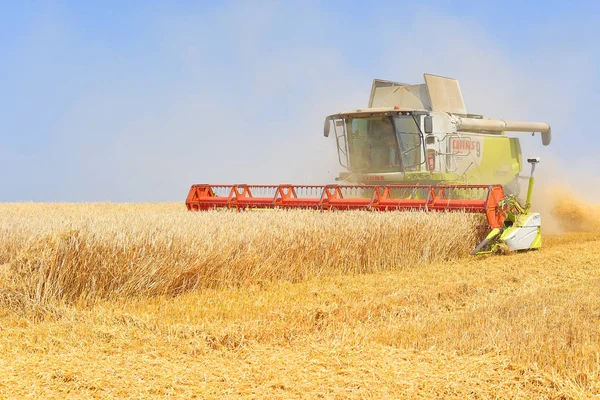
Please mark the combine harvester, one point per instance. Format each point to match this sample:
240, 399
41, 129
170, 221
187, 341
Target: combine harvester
414, 148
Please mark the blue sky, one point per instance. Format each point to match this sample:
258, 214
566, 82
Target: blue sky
135, 101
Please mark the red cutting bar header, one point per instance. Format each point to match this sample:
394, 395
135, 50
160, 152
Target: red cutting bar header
467, 198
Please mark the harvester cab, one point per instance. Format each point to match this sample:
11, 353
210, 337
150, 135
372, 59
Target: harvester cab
415, 147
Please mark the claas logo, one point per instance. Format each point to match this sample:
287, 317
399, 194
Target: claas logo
465, 146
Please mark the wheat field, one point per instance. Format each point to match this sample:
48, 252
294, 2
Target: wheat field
151, 301
75, 253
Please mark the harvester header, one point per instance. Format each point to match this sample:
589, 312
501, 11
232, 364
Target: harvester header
482, 199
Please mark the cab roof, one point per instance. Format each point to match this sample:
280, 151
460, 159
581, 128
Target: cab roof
376, 112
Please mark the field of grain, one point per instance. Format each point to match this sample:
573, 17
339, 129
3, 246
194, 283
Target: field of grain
148, 300
81, 253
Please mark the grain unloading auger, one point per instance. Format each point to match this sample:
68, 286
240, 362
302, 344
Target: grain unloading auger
414, 148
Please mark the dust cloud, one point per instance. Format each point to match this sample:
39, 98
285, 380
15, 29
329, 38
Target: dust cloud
566, 197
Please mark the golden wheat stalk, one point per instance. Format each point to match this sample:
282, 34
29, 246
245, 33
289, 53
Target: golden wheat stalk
88, 251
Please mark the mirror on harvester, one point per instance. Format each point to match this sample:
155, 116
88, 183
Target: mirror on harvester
326, 128
428, 124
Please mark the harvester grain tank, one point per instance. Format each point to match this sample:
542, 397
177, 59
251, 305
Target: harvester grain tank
415, 147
